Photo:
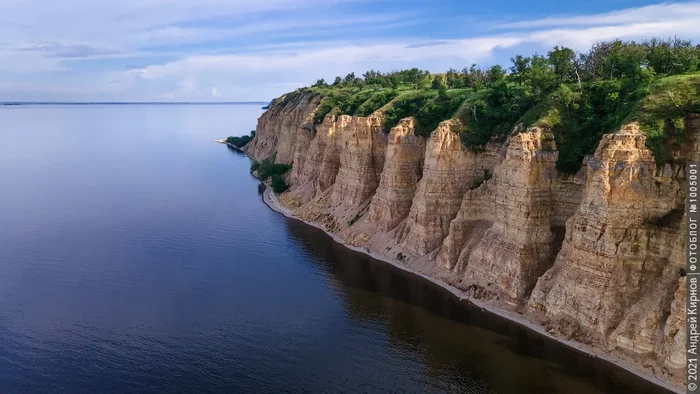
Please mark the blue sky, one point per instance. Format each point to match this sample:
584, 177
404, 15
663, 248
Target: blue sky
238, 50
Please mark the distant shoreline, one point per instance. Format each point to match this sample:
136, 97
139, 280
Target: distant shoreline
19, 103
230, 145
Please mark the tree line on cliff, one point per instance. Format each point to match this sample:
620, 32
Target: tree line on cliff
541, 73
577, 96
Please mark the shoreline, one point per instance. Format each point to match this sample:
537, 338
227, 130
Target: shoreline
271, 201
230, 145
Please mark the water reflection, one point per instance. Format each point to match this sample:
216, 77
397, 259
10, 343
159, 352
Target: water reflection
464, 349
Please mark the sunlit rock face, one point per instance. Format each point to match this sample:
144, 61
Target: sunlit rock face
448, 172
501, 238
616, 276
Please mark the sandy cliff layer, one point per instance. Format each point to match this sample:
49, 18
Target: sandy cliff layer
596, 257
448, 172
279, 126
399, 179
501, 240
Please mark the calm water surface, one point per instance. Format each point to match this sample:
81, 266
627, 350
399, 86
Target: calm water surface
137, 256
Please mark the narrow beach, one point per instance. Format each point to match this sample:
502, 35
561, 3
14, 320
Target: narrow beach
270, 199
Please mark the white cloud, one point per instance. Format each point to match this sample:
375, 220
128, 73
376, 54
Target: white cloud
180, 51
651, 13
304, 65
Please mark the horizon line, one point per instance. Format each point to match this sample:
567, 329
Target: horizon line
10, 103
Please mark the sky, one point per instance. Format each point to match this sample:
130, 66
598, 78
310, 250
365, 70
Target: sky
254, 50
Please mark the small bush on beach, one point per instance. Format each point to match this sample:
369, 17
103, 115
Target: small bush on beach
268, 168
278, 184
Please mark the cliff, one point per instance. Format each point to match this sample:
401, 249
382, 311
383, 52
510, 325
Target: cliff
502, 235
280, 125
595, 255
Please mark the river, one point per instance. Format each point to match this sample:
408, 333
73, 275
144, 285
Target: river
136, 255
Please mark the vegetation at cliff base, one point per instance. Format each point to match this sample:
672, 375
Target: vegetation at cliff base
269, 169
278, 184
575, 97
240, 142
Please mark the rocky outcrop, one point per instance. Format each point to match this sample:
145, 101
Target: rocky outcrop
319, 162
341, 171
673, 340
616, 276
278, 127
501, 238
362, 150
448, 172
402, 170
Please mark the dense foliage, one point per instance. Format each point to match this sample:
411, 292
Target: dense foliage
278, 184
577, 97
404, 106
268, 168
240, 142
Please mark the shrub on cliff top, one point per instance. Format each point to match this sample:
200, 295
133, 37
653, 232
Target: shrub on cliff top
403, 107
661, 113
333, 100
440, 108
376, 101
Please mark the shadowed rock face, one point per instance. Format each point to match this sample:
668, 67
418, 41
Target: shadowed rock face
596, 256
402, 170
361, 158
278, 127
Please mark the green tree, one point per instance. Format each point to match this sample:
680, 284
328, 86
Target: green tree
562, 60
437, 82
520, 68
350, 79
673, 56
566, 97
497, 73
452, 78
479, 78
442, 90
278, 184
423, 80
647, 75
541, 76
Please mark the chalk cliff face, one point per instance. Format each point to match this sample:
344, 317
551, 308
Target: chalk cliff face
595, 256
448, 172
